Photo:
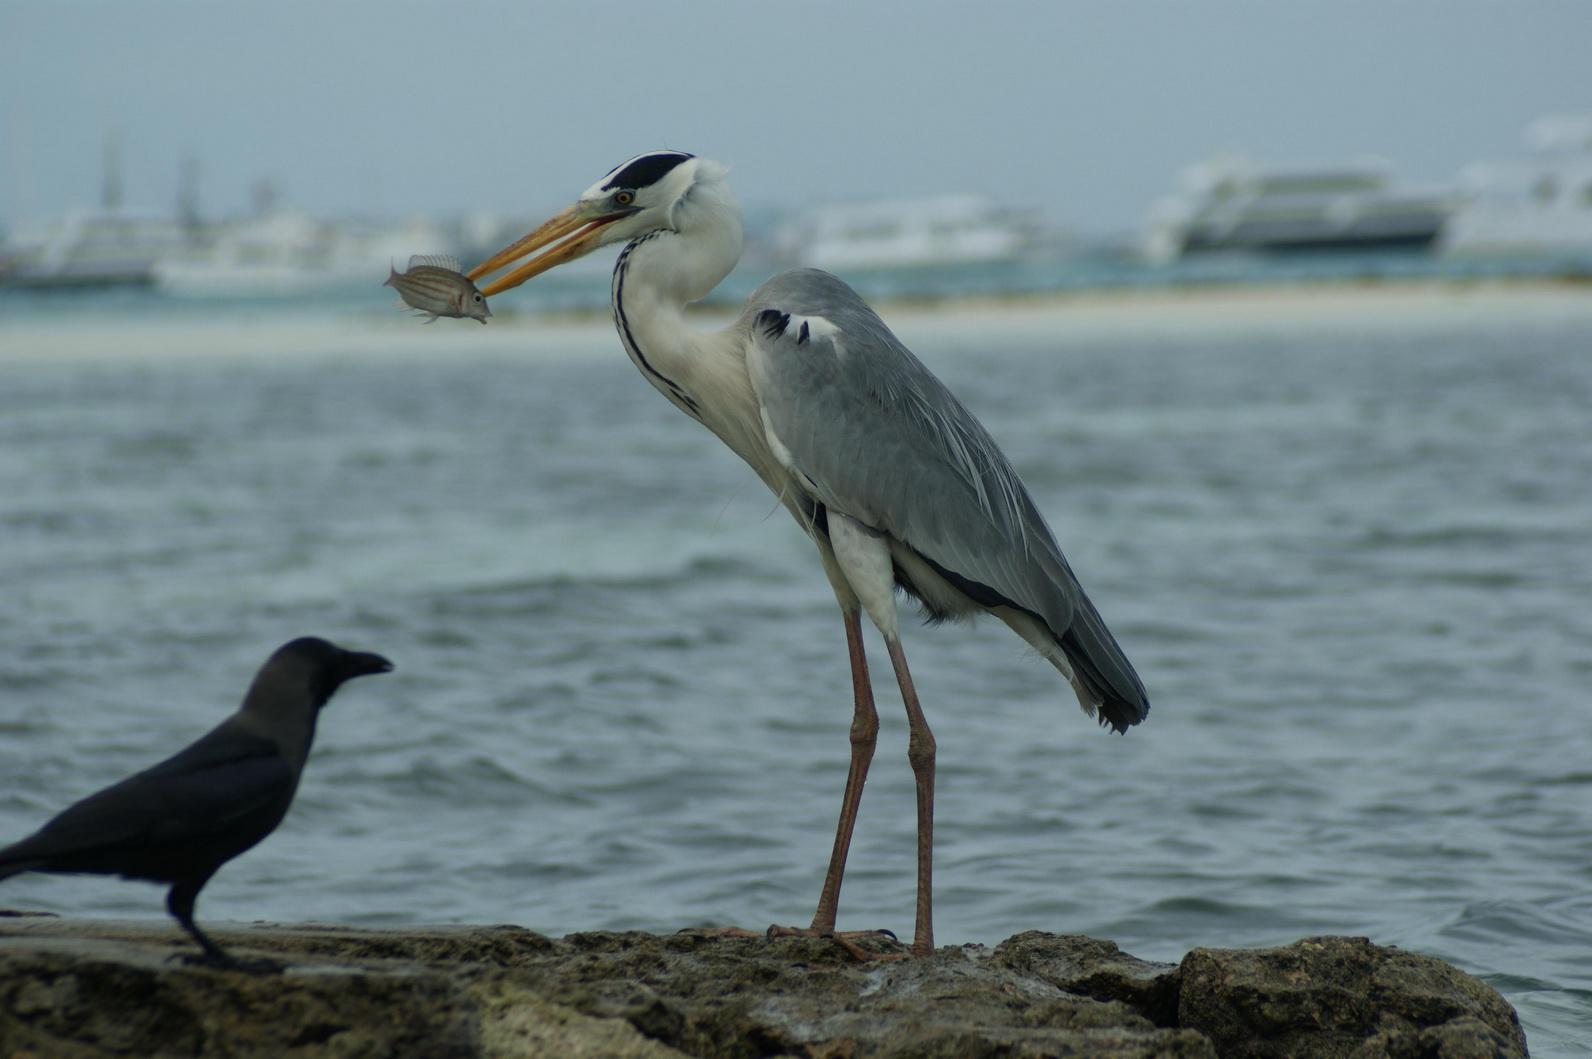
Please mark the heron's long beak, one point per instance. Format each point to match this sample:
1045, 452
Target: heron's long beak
576, 220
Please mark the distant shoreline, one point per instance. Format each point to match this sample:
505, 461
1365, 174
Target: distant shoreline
1048, 315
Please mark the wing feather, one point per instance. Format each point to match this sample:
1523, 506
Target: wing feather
885, 442
881, 439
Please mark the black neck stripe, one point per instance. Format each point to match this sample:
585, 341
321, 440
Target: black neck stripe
672, 388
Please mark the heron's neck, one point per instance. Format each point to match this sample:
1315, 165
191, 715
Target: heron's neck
655, 278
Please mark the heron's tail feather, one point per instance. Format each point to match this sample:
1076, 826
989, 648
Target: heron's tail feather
1103, 671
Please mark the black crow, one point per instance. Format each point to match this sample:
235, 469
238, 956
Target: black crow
182, 819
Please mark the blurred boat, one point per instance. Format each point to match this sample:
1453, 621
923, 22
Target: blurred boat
91, 248
1232, 203
284, 251
897, 233
108, 246
1539, 205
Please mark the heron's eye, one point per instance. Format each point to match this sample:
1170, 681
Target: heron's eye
625, 198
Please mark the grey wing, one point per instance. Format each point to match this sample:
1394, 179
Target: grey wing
875, 435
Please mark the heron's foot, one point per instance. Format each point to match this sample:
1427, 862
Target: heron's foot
843, 938
225, 962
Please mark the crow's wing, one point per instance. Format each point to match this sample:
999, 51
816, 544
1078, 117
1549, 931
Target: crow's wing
226, 780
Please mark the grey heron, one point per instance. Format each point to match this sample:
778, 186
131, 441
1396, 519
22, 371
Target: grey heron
895, 481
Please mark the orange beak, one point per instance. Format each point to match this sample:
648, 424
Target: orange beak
580, 229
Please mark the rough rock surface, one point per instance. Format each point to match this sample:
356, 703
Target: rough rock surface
90, 989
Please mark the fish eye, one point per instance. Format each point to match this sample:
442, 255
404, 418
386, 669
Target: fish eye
625, 198
477, 295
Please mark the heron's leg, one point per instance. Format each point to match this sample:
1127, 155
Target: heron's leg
862, 555
864, 736
920, 752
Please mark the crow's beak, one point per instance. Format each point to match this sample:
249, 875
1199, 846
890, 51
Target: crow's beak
363, 663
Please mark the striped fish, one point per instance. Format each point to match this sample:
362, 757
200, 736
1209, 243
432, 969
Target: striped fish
434, 285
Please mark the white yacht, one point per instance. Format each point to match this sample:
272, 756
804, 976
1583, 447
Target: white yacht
108, 246
1538, 205
939, 230
1232, 203
90, 248
284, 251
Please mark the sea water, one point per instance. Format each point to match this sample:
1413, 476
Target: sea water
1347, 551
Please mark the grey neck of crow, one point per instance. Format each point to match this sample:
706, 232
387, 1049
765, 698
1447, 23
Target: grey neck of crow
282, 705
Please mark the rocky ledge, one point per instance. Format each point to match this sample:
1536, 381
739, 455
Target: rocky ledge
82, 989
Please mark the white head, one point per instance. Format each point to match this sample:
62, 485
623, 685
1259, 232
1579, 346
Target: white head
656, 191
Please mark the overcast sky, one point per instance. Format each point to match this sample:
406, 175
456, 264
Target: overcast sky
1086, 110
